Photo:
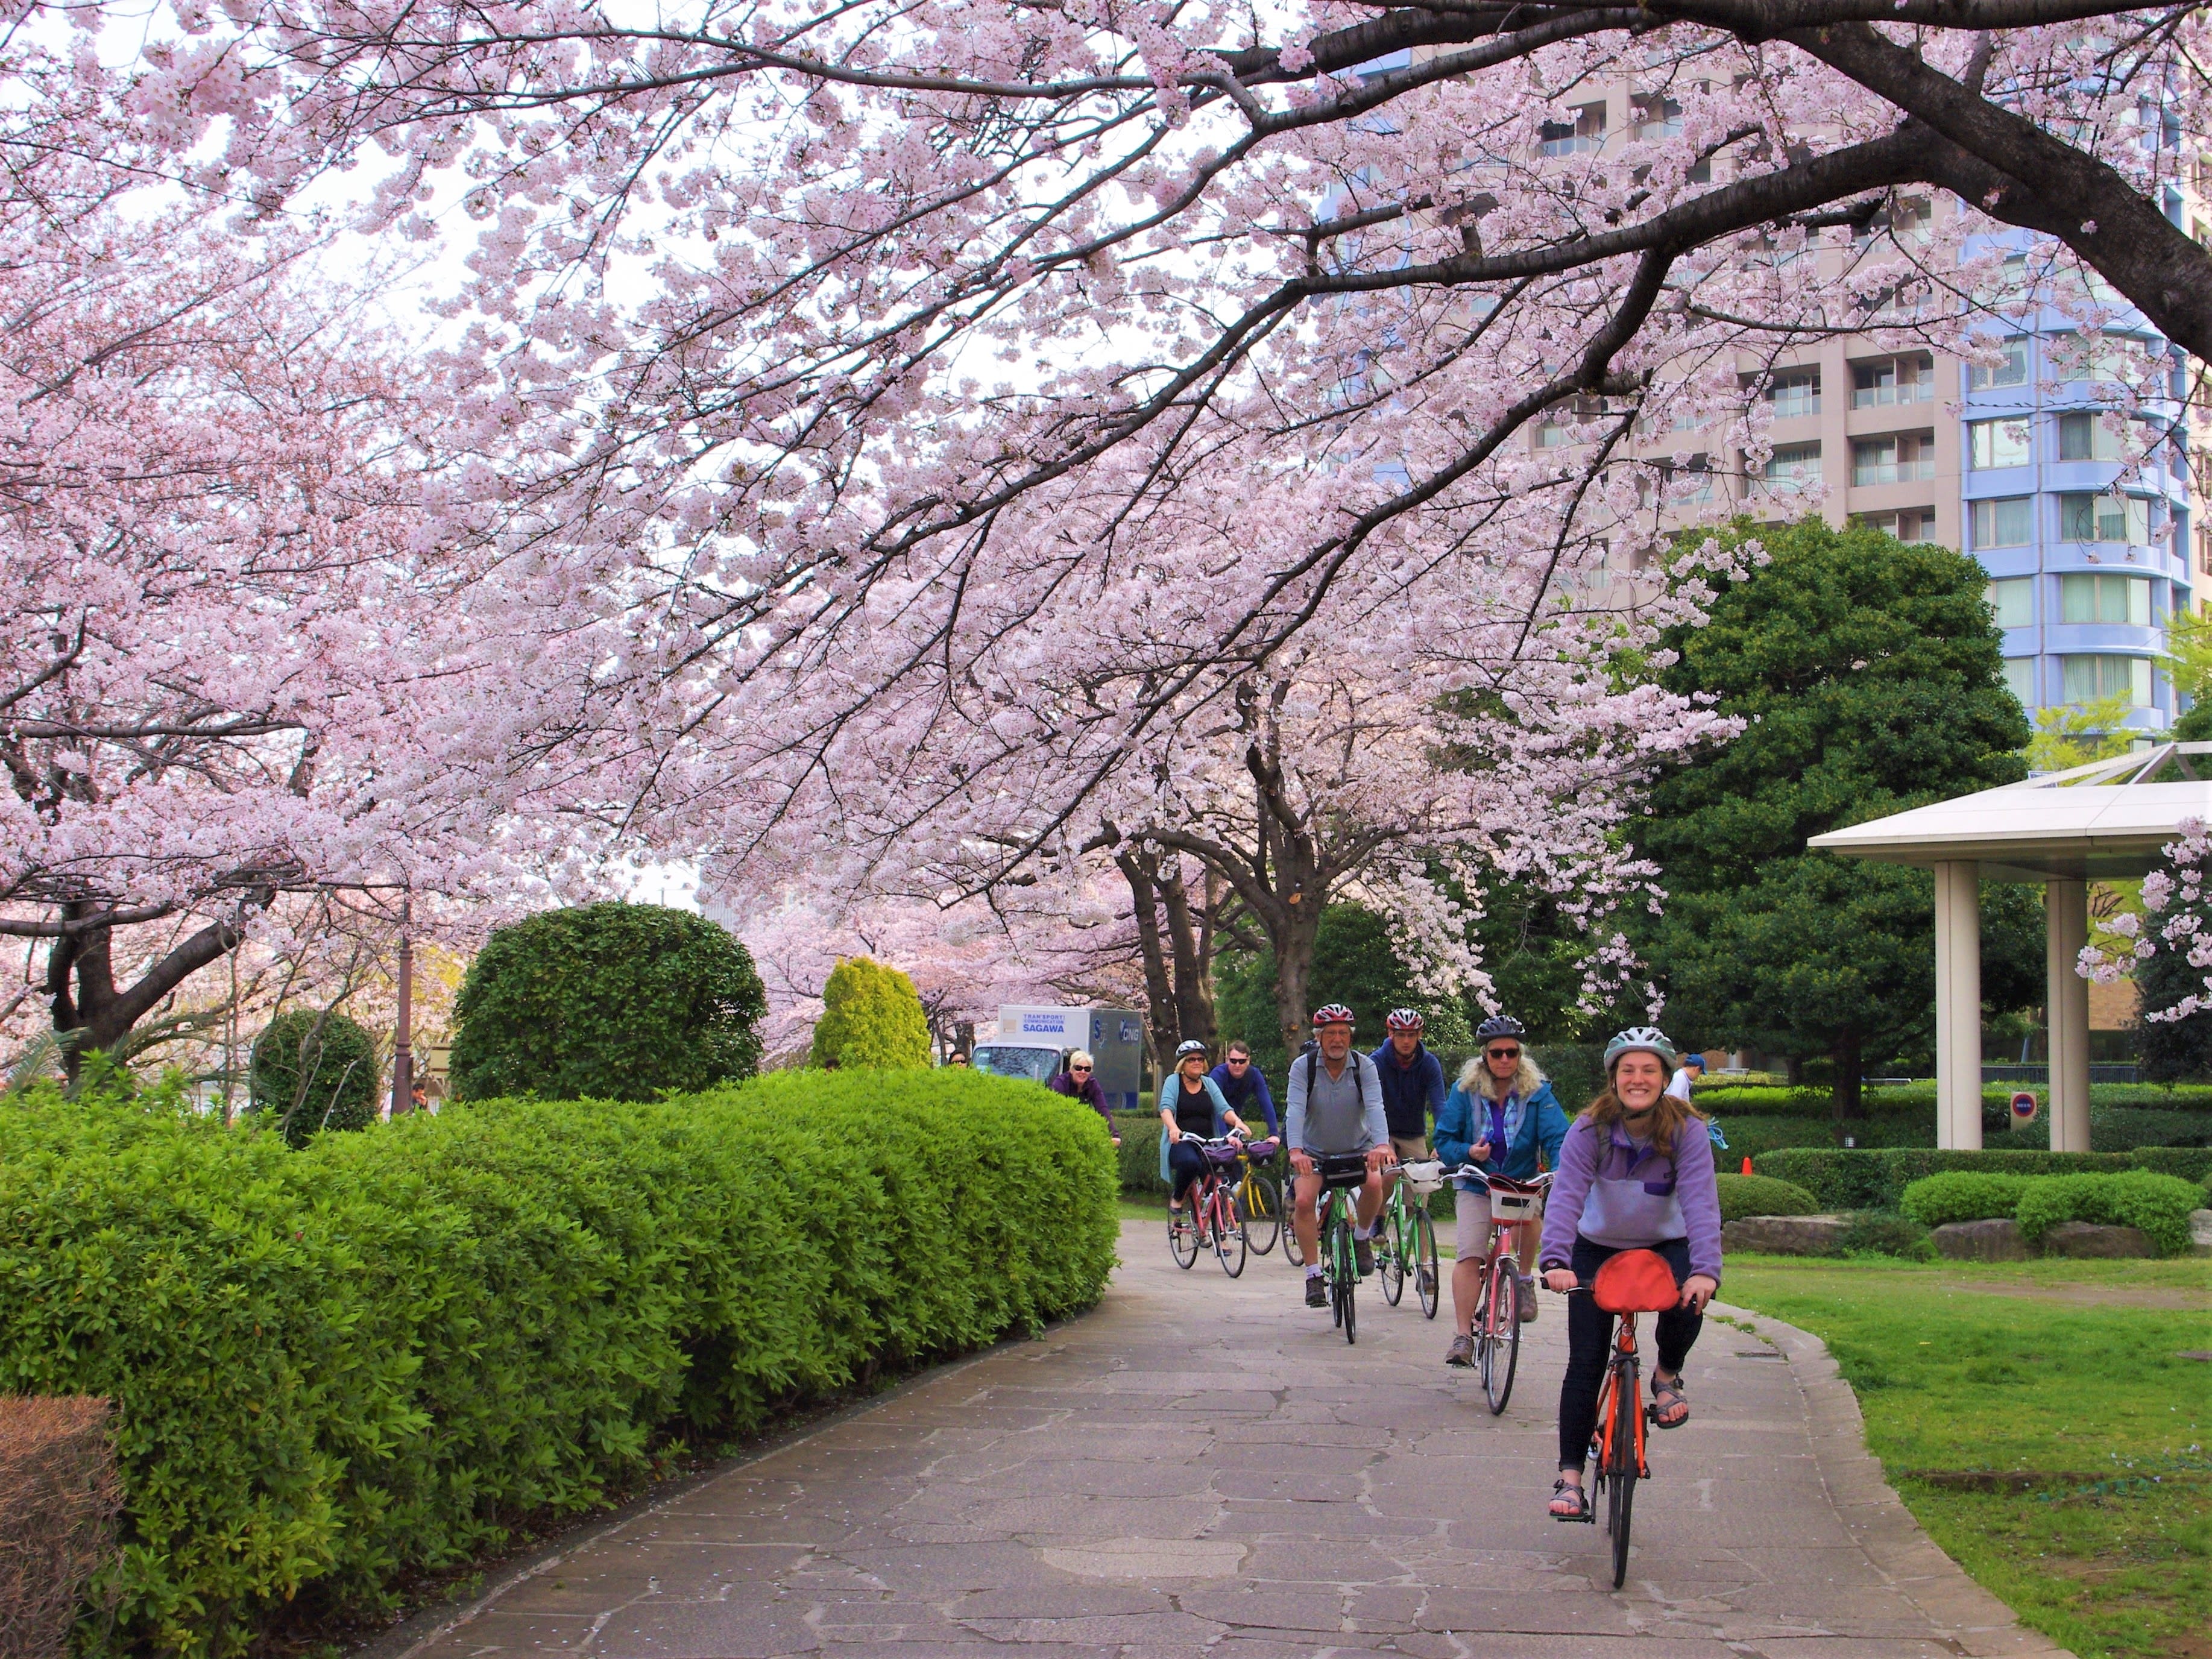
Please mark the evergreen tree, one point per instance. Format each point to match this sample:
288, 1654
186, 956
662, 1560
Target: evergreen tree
607, 1002
871, 1017
1869, 676
313, 1070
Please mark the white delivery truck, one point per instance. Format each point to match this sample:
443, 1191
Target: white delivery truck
1031, 1042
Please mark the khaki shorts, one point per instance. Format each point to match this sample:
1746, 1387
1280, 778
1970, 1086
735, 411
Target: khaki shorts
1404, 1148
1472, 1229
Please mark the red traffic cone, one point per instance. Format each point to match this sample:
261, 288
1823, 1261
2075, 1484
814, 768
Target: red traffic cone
1747, 1164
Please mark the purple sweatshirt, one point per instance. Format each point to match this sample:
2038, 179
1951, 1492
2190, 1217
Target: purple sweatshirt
1617, 1191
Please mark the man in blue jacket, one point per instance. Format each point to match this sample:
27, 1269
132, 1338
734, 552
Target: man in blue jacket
1413, 1084
1244, 1087
1503, 1115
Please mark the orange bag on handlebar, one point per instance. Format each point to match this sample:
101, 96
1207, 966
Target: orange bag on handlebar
1635, 1281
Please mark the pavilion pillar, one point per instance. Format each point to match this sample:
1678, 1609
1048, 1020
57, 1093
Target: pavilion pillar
1958, 1004
2066, 1009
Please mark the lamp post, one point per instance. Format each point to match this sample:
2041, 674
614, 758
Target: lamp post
403, 1039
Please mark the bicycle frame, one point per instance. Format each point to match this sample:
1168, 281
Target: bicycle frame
1622, 1384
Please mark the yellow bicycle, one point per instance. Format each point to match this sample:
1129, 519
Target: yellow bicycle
1259, 1199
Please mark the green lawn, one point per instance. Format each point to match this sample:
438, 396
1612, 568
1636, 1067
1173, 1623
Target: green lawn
2104, 1539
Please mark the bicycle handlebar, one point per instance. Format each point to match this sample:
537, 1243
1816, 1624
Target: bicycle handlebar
1476, 1172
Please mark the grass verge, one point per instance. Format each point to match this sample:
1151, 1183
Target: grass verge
2057, 1445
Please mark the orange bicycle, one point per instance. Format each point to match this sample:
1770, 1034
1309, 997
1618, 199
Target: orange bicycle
1631, 1283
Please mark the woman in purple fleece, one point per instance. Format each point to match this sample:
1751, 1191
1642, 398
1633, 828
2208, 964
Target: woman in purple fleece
1635, 1172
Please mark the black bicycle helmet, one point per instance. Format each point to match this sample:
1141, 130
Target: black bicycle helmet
1498, 1025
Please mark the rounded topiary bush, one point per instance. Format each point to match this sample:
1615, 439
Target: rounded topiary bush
607, 1002
1963, 1195
311, 1072
871, 1017
1745, 1195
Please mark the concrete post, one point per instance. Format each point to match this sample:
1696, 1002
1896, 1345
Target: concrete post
2066, 1008
1958, 1004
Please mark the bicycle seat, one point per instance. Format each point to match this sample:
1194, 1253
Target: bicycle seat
1635, 1281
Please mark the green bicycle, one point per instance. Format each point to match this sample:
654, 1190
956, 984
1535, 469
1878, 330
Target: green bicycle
1341, 1178
1405, 1246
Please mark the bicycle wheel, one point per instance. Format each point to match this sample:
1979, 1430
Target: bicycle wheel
1293, 1252
1261, 1203
1501, 1348
1620, 1478
1228, 1233
1389, 1253
1182, 1236
1347, 1279
1428, 1288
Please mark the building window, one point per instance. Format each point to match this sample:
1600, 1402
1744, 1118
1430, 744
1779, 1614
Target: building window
2008, 521
2014, 601
2091, 679
1585, 132
2115, 357
2013, 371
1911, 524
1895, 458
1795, 391
1907, 380
1996, 443
1792, 467
2097, 598
2020, 679
1656, 117
2085, 437
1551, 432
2105, 518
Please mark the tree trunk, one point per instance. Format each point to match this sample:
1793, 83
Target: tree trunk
1164, 1020
1293, 942
90, 1011
1187, 963
1850, 1102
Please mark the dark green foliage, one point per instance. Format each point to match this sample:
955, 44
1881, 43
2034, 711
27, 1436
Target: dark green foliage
1576, 1070
343, 1367
1354, 963
311, 1071
2171, 1050
2190, 1162
607, 1002
1757, 1194
1871, 678
1140, 1152
1875, 1180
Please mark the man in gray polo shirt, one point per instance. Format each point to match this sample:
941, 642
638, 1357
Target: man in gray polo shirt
1335, 1111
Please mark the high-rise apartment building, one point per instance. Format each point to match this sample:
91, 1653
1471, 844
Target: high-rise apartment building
2033, 463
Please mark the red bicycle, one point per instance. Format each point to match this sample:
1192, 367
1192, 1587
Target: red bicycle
1513, 1205
1211, 1216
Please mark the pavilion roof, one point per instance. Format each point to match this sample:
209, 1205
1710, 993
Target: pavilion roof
2109, 818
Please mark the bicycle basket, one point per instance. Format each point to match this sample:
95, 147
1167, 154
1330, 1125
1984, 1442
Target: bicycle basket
1222, 1152
1260, 1151
1511, 1206
1635, 1281
1423, 1176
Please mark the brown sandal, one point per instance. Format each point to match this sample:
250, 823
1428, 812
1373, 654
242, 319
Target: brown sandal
1665, 1391
1564, 1487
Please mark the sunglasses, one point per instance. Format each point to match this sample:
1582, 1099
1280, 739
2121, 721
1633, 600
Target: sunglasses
1078, 1068
1240, 1060
1505, 1053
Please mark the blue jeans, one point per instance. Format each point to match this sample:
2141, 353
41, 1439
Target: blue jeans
1185, 1165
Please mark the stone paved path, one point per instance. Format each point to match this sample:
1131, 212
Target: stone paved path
1203, 1468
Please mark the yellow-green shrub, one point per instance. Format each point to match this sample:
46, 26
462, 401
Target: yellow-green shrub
871, 1016
336, 1366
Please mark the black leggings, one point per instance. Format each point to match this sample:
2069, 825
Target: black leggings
1185, 1165
1590, 1343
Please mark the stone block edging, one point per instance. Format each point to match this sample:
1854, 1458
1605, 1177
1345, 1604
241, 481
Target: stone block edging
1876, 1517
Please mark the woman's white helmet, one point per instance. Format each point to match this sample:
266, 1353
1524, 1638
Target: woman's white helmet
1646, 1039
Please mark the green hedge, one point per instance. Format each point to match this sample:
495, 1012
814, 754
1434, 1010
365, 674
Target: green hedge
343, 1366
1756, 1194
1964, 1195
2191, 1101
1875, 1179
2159, 1204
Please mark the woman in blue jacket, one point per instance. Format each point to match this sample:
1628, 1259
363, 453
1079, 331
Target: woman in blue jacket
1501, 1115
1192, 1110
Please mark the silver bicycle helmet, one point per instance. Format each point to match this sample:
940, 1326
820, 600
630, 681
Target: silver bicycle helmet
1646, 1039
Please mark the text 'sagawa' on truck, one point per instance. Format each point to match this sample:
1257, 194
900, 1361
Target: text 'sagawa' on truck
1032, 1042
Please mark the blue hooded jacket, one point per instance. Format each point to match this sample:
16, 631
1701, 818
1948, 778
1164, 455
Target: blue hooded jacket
1470, 1117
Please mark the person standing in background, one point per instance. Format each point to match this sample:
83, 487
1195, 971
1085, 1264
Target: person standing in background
1078, 1082
1690, 1072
